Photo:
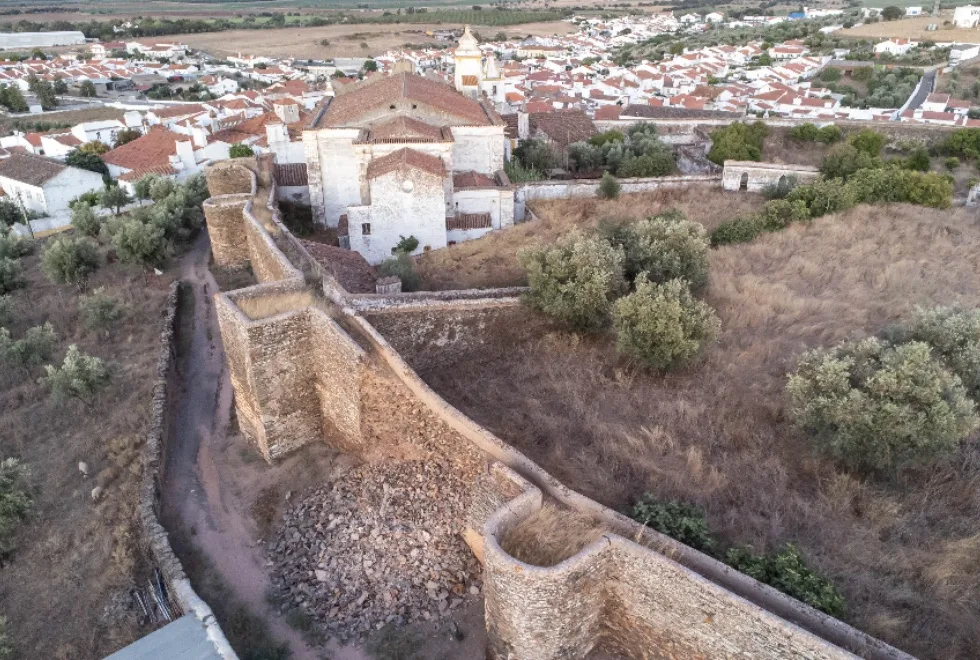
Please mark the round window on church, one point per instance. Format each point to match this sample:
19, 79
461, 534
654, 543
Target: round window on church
407, 185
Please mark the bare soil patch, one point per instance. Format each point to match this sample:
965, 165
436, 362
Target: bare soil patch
65, 591
491, 261
306, 43
718, 434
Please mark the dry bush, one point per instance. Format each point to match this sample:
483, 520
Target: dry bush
63, 587
551, 535
491, 261
719, 435
266, 306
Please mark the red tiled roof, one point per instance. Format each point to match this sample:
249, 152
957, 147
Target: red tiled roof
470, 81
179, 110
348, 108
608, 112
473, 180
405, 158
151, 150
405, 128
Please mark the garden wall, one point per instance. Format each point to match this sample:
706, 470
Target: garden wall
295, 358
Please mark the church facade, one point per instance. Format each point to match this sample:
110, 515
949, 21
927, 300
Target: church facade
403, 156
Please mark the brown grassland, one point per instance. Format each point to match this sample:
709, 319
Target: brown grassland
717, 434
65, 589
95, 113
492, 260
914, 28
345, 40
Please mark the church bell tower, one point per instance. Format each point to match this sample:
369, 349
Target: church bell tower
469, 65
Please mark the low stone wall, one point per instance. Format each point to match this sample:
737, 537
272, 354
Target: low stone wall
155, 536
555, 189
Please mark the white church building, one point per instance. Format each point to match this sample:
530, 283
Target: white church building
404, 155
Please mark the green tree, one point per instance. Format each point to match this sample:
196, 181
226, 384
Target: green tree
608, 187
113, 198
574, 279
60, 86
125, 136
141, 189
370, 66
918, 160
69, 260
11, 275
878, 407
140, 243
737, 141
954, 335
13, 99
240, 151
87, 89
99, 310
85, 221
843, 160
161, 188
10, 214
892, 13
666, 246
33, 349
402, 266
86, 161
16, 504
869, 142
662, 326
80, 377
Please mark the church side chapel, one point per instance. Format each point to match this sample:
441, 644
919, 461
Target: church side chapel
403, 155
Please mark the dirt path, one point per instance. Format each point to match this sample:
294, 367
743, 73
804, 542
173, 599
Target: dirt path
203, 500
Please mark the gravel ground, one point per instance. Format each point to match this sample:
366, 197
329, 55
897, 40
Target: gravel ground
379, 545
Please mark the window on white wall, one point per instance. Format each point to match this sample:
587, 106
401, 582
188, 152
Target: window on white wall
366, 228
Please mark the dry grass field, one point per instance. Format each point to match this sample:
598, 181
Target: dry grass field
491, 261
914, 28
65, 590
345, 40
7, 123
904, 554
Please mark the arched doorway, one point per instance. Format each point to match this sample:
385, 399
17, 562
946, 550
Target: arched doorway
743, 183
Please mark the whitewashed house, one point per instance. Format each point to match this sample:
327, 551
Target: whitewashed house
895, 46
43, 186
966, 17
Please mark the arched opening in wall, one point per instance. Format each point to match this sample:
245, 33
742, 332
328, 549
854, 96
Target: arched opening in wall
743, 183
782, 183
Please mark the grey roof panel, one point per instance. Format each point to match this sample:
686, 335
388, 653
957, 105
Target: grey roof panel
183, 639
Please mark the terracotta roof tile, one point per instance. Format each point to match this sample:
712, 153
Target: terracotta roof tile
473, 180
563, 127
30, 169
151, 150
179, 110
348, 108
405, 127
405, 158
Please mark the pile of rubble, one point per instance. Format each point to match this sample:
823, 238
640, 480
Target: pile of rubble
379, 545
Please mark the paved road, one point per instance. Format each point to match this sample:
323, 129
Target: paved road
925, 89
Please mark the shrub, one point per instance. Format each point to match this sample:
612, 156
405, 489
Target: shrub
161, 187
737, 141
822, 197
954, 335
779, 213
787, 571
11, 275
646, 165
868, 141
70, 260
13, 246
738, 230
574, 279
15, 505
805, 132
918, 160
85, 221
240, 151
830, 74
32, 350
830, 134
880, 408
139, 243
141, 189
408, 245
682, 522
667, 247
931, 189
80, 377
843, 160
535, 155
608, 187
951, 163
99, 310
10, 214
661, 326
402, 265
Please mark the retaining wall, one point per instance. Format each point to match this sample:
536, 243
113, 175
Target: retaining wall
634, 592
755, 177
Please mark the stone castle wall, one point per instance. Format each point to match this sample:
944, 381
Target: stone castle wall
755, 177
633, 592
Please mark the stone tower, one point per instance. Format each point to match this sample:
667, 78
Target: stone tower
469, 64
